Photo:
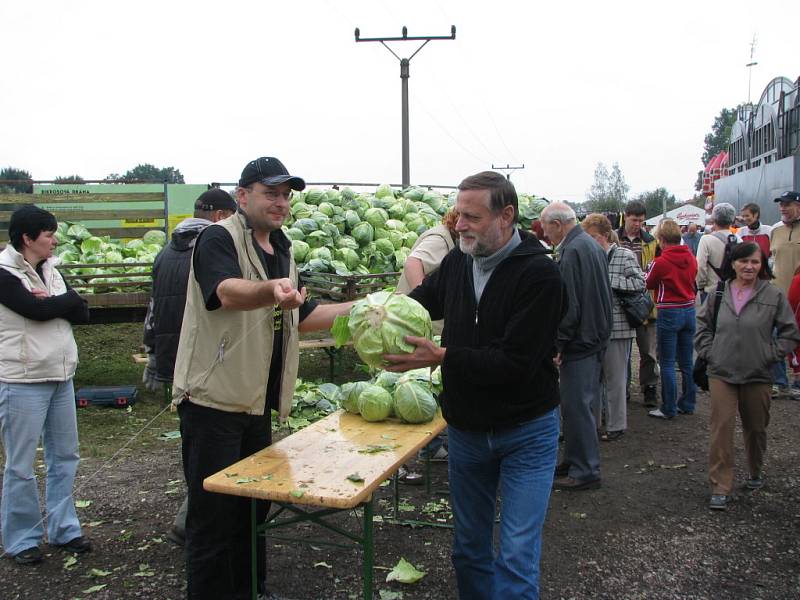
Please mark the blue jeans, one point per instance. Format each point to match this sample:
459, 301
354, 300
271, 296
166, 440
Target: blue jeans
29, 411
675, 342
778, 369
520, 461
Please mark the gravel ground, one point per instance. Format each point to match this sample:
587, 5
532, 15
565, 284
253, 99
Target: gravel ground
647, 533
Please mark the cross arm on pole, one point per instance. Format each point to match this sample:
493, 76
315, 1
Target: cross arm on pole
408, 38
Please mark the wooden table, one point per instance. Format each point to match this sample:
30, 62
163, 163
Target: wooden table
310, 468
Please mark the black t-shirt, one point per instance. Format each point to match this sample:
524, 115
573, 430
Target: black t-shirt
215, 260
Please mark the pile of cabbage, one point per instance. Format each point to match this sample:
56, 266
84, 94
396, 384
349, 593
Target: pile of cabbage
77, 245
409, 397
340, 231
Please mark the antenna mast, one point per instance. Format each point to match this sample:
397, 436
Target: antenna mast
750, 66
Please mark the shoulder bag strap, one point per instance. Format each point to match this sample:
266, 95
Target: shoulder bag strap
717, 301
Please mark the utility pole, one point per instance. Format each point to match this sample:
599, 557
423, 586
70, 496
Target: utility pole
508, 168
750, 66
404, 74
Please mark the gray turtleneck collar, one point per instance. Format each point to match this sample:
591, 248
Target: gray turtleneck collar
484, 266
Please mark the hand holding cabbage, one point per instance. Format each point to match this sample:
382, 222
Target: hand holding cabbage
425, 354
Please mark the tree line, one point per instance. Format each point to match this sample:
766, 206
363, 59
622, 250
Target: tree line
143, 172
609, 191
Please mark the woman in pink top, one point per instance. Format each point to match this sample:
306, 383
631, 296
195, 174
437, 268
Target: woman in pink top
740, 349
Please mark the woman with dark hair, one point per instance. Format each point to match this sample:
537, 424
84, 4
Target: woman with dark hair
739, 347
38, 357
672, 276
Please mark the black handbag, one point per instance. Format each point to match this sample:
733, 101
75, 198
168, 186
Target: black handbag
637, 306
700, 370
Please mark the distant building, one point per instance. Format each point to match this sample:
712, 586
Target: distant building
763, 158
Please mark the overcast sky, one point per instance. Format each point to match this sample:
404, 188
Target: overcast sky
96, 87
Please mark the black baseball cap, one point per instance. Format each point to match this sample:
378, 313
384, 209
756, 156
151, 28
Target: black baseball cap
788, 197
215, 199
269, 171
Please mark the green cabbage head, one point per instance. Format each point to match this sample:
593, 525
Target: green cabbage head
375, 403
380, 322
349, 393
155, 236
413, 403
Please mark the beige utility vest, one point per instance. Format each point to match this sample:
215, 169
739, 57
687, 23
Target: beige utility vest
35, 351
224, 355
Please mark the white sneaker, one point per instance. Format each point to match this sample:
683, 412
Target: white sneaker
658, 414
780, 391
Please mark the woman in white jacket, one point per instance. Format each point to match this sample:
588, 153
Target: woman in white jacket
38, 357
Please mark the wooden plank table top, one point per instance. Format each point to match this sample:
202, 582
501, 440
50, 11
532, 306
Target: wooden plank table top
318, 343
311, 466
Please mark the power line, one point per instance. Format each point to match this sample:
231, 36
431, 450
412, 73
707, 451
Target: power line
446, 132
469, 61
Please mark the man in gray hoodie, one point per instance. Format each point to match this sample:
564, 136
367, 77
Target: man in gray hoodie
582, 338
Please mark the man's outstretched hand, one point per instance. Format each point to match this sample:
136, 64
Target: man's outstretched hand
286, 296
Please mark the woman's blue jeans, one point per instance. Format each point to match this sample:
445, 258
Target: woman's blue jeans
675, 327
29, 411
520, 461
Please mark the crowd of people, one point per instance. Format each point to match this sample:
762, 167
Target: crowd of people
537, 334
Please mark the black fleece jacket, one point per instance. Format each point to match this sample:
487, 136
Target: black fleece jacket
498, 371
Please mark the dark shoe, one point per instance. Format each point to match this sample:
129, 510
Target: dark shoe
718, 502
562, 469
685, 412
78, 545
575, 485
410, 477
612, 436
756, 482
658, 414
177, 536
29, 556
650, 397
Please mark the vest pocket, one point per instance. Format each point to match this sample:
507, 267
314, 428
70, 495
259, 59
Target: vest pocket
219, 358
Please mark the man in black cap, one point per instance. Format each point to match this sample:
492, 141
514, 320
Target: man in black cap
237, 360
162, 326
785, 253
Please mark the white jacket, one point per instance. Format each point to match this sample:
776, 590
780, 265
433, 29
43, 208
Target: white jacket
35, 351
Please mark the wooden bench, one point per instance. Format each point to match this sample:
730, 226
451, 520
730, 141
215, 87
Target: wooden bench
307, 475
328, 345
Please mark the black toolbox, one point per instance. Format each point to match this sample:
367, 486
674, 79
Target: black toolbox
117, 396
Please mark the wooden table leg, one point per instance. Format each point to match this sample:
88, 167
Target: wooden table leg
253, 551
369, 550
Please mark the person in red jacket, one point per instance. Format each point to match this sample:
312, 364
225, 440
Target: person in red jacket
794, 358
672, 276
